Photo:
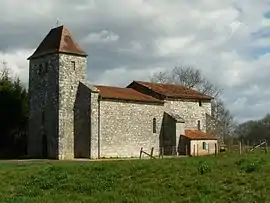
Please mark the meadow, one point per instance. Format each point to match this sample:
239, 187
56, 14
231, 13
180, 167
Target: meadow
225, 178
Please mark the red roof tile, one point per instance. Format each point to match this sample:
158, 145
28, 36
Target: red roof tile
173, 91
58, 40
108, 92
198, 135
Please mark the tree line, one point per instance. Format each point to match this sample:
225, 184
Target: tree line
254, 131
13, 115
14, 109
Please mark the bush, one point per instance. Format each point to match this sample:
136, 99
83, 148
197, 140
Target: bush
203, 168
249, 166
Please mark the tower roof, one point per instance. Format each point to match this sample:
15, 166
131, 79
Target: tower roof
58, 40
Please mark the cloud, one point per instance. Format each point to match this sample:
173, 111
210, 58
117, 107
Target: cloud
103, 36
17, 63
227, 40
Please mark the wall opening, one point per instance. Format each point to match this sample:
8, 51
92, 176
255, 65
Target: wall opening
44, 146
199, 125
43, 118
73, 64
154, 125
204, 146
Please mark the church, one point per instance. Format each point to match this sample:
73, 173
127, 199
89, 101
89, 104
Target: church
70, 118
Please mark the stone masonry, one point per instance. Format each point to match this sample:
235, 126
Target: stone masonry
191, 112
70, 118
43, 103
128, 126
72, 70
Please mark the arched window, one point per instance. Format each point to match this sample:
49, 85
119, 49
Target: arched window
204, 145
154, 125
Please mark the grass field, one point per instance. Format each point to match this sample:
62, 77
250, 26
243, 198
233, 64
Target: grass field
225, 178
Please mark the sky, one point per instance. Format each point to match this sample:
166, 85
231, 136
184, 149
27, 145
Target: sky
126, 40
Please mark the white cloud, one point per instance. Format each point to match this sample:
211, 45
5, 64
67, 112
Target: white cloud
103, 36
17, 63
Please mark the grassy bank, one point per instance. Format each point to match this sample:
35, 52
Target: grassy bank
225, 178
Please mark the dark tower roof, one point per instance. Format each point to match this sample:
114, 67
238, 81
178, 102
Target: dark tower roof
58, 40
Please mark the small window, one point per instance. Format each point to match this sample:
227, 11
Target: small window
154, 125
73, 65
200, 103
204, 146
40, 69
199, 125
42, 117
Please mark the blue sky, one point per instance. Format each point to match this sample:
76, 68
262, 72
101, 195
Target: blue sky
131, 40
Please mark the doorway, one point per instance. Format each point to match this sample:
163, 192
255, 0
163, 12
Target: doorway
44, 146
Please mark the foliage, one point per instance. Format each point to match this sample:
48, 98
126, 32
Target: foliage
249, 166
161, 180
203, 168
254, 131
13, 111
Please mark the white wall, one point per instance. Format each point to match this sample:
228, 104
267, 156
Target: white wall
196, 146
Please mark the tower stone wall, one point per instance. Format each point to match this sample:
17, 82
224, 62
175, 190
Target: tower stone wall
72, 70
43, 106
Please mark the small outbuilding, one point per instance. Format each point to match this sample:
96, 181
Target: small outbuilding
197, 143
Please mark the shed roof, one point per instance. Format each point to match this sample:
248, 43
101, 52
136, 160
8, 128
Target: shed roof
58, 40
172, 90
198, 135
119, 93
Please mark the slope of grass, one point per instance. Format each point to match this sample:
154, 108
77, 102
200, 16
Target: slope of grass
225, 178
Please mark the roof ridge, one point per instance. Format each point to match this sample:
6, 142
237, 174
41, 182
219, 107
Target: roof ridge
171, 90
61, 37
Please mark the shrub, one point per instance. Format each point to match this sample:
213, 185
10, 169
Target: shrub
203, 168
249, 166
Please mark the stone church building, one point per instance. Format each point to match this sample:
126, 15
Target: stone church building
70, 118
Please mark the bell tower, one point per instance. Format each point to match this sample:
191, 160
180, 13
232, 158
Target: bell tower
55, 70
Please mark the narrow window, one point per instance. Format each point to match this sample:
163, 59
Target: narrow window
46, 66
204, 145
73, 65
199, 125
200, 103
154, 125
43, 117
40, 69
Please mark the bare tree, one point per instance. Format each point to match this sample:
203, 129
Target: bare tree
192, 78
4, 70
188, 77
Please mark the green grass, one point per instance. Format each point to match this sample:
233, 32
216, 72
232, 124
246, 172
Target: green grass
225, 178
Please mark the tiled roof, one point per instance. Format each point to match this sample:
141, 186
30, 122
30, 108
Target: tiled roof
119, 93
58, 40
198, 135
173, 90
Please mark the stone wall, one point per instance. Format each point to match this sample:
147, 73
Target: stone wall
95, 124
196, 147
128, 126
190, 111
53, 85
82, 124
43, 106
72, 70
